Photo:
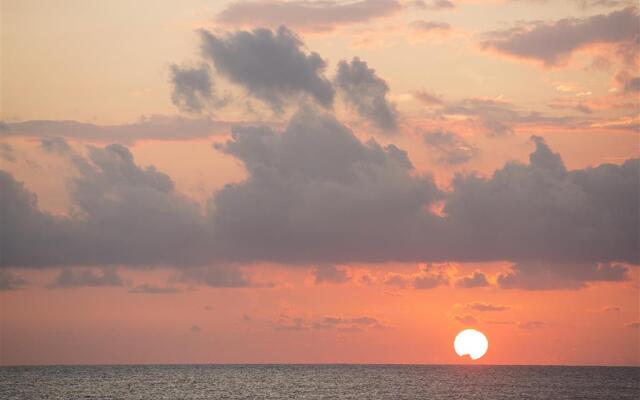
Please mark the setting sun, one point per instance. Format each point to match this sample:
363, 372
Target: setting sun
472, 343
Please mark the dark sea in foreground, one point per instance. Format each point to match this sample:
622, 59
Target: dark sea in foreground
319, 382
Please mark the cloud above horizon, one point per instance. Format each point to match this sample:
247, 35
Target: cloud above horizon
316, 194
366, 93
552, 43
270, 65
305, 15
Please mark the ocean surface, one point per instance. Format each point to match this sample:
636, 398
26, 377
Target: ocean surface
318, 382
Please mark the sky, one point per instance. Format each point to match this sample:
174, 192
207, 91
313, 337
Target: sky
307, 181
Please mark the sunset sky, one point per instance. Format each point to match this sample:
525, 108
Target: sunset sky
271, 181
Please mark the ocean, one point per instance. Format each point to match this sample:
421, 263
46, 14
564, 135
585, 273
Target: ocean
318, 382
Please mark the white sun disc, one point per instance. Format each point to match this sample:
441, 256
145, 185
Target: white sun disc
472, 343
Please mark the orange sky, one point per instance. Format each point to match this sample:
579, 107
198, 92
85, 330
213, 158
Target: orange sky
467, 87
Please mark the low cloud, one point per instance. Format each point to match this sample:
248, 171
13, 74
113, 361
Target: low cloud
305, 15
547, 276
217, 277
552, 43
11, 281
532, 325
153, 289
337, 323
329, 273
451, 148
434, 4
428, 277
193, 90
271, 65
485, 307
147, 128
430, 26
475, 280
6, 152
366, 93
76, 277
316, 194
466, 319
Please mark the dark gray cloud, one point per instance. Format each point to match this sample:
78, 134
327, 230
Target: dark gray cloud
430, 26
11, 281
552, 43
6, 152
542, 211
451, 148
634, 325
367, 93
270, 65
124, 214
548, 276
305, 15
329, 273
485, 307
475, 280
316, 194
153, 289
154, 127
73, 278
192, 88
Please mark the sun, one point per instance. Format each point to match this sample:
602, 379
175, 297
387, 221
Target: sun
472, 343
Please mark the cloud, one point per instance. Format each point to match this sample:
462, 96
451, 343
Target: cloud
10, 281
430, 26
612, 309
542, 211
553, 43
434, 4
153, 289
452, 149
124, 215
634, 325
628, 82
428, 277
466, 319
329, 273
547, 276
367, 93
270, 65
218, 277
305, 15
73, 278
6, 152
475, 280
195, 329
315, 192
485, 307
337, 323
354, 324
192, 88
427, 98
532, 325
147, 128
